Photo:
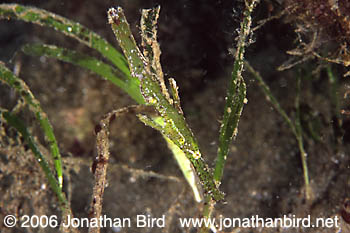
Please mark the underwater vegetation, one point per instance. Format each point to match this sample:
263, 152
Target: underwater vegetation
267, 136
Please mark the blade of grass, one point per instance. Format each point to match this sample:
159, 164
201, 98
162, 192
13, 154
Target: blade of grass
175, 127
18, 124
236, 97
130, 86
183, 162
19, 85
152, 52
67, 27
296, 128
127, 42
187, 170
299, 131
270, 97
66, 210
236, 94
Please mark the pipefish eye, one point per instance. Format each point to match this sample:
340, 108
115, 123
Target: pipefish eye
345, 212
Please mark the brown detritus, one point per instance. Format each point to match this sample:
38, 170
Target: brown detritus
329, 20
99, 166
330, 16
151, 48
